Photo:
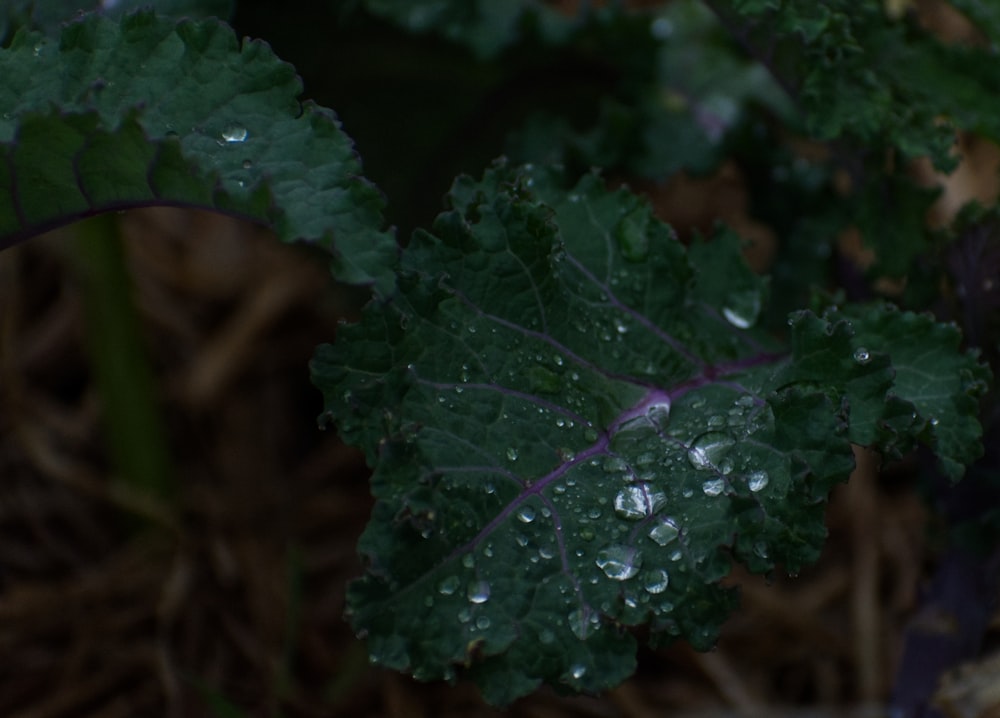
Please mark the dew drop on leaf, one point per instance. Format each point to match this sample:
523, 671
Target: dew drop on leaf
708, 450
448, 586
482, 623
478, 592
659, 415
757, 480
656, 581
578, 671
862, 355
664, 532
234, 133
630, 503
742, 309
713, 487
619, 562
512, 453
526, 514
632, 237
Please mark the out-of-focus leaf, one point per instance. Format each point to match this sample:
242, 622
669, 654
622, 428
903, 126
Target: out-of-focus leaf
145, 110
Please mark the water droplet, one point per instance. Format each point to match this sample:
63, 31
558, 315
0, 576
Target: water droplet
757, 480
526, 514
590, 434
478, 592
234, 133
615, 464
247, 164
482, 623
578, 671
633, 240
664, 532
661, 28
619, 562
713, 487
861, 355
468, 561
742, 308
656, 581
512, 453
760, 548
448, 586
630, 503
659, 415
709, 449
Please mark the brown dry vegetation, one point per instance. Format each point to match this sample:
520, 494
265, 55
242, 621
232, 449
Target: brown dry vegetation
237, 589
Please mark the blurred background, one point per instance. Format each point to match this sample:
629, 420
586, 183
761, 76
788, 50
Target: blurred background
217, 589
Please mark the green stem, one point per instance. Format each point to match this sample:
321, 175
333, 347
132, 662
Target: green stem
133, 426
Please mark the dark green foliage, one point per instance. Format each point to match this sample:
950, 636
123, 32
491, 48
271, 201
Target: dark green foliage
577, 421
573, 424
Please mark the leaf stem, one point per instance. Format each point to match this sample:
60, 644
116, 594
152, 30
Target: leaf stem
133, 425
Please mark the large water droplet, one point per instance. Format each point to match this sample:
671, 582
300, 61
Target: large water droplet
708, 450
632, 237
757, 480
526, 514
448, 586
630, 503
659, 415
478, 592
578, 671
512, 453
619, 562
234, 133
664, 532
713, 487
862, 355
656, 581
742, 308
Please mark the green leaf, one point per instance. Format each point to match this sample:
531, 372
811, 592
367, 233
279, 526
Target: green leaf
680, 117
144, 110
485, 26
861, 76
571, 434
49, 15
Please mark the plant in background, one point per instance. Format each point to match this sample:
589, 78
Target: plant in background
577, 422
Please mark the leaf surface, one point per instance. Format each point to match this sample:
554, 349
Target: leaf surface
145, 110
576, 428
